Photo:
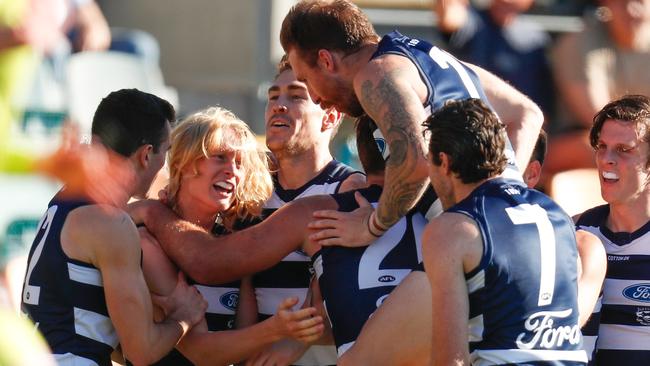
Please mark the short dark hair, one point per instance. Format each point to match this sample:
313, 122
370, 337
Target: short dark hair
369, 155
471, 135
539, 152
283, 65
634, 109
129, 118
337, 25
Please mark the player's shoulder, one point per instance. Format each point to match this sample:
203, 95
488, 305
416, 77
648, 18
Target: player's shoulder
449, 228
356, 180
97, 224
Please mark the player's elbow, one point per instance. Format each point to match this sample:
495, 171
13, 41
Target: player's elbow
533, 115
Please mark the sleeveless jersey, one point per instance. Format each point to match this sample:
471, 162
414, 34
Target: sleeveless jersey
292, 275
624, 330
65, 297
354, 282
523, 305
445, 77
222, 301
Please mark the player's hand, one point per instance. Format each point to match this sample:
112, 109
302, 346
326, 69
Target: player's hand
185, 304
303, 325
139, 210
89, 170
348, 229
282, 353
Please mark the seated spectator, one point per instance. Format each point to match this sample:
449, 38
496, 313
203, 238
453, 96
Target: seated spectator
603, 62
500, 41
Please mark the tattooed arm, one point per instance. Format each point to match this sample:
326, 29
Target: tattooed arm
390, 91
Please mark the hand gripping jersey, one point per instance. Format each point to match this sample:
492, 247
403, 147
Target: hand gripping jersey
222, 301
65, 297
292, 275
624, 330
354, 282
445, 77
523, 295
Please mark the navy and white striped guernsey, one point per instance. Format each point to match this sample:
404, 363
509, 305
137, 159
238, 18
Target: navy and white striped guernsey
292, 275
523, 295
354, 282
624, 331
445, 77
65, 297
222, 301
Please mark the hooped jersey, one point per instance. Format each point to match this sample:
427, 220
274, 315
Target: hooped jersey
65, 298
624, 328
222, 301
354, 282
523, 295
445, 77
292, 275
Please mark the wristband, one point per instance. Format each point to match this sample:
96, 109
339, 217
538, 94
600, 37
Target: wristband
374, 228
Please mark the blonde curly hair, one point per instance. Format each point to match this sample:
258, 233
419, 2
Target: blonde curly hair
217, 129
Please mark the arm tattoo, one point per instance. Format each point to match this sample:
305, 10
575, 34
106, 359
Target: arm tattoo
384, 102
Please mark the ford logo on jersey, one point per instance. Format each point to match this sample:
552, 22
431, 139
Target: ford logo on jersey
386, 278
229, 300
639, 292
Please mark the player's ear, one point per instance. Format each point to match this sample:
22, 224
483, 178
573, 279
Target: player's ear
326, 60
532, 173
144, 154
331, 119
445, 162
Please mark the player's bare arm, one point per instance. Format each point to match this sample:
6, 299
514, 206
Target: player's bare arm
452, 246
593, 265
107, 238
522, 117
211, 259
391, 92
228, 347
409, 341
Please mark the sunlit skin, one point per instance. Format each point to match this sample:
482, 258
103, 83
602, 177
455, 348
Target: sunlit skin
155, 161
621, 158
293, 121
326, 88
211, 188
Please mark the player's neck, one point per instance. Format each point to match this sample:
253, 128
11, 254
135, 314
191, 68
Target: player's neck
294, 171
356, 61
629, 216
194, 212
463, 190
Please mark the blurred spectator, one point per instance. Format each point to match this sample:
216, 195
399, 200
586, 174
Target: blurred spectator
27, 29
608, 59
499, 40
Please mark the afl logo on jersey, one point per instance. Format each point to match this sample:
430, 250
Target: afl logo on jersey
230, 299
386, 278
639, 292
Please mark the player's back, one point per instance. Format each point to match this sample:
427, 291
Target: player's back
65, 297
523, 295
445, 77
354, 282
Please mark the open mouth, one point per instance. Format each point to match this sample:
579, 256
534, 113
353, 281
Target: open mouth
279, 122
610, 177
224, 187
